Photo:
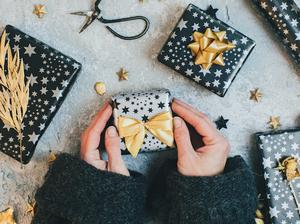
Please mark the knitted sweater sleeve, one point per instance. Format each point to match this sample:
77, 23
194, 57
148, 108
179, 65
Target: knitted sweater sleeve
75, 192
227, 198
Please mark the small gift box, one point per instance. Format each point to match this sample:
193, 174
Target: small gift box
144, 121
206, 50
42, 81
283, 16
280, 155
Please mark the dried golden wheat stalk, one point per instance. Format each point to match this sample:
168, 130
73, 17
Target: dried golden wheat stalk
14, 92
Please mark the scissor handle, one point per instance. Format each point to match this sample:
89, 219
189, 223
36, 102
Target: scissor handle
147, 25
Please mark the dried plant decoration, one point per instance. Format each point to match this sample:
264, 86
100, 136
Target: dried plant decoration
289, 166
7, 216
14, 91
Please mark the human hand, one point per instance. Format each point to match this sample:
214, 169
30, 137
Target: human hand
208, 160
90, 140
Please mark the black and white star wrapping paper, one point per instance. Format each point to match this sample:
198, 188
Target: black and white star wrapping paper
274, 147
51, 75
176, 55
142, 106
284, 17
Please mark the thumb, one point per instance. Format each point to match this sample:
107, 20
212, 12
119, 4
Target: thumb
112, 145
182, 138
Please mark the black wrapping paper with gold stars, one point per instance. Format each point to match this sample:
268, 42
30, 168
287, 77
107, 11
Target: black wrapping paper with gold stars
144, 121
49, 75
284, 18
206, 50
279, 150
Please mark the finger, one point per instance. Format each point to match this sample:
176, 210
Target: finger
93, 132
90, 139
112, 144
182, 138
189, 107
100, 120
99, 164
200, 124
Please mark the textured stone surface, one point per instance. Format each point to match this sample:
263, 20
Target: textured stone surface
101, 55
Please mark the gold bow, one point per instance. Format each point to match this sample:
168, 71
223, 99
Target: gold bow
209, 47
134, 131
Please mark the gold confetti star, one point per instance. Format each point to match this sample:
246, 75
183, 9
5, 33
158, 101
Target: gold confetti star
274, 122
52, 158
123, 74
31, 208
7, 216
100, 88
255, 95
39, 10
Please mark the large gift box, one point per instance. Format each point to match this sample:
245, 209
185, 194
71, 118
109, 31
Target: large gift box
144, 121
284, 18
50, 75
206, 50
279, 150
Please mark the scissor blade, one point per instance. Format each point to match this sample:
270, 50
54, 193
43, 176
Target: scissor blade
83, 13
88, 22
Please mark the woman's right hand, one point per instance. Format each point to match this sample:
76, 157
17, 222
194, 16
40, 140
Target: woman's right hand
208, 160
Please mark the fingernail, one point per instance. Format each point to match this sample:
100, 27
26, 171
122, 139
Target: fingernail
112, 132
177, 122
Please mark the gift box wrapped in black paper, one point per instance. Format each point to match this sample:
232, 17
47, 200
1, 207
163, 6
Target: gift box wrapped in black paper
284, 18
32, 90
144, 121
206, 50
280, 169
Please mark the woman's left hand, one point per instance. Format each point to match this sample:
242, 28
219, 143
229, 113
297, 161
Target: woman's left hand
90, 140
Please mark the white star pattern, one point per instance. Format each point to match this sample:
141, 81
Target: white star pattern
182, 24
283, 6
274, 212
263, 5
244, 40
267, 163
33, 138
32, 79
196, 26
189, 72
282, 203
29, 50
294, 22
295, 146
57, 93
17, 38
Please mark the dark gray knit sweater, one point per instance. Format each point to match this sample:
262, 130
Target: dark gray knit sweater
75, 192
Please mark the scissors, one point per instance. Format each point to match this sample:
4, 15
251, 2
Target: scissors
95, 14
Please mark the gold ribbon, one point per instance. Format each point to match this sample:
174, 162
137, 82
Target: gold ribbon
209, 48
134, 131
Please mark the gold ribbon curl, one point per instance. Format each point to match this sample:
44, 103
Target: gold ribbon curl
134, 131
209, 48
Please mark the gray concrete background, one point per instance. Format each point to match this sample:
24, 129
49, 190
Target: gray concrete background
268, 68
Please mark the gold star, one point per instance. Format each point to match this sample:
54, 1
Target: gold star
39, 10
52, 158
274, 122
31, 208
7, 216
100, 88
255, 95
123, 74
